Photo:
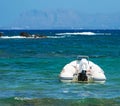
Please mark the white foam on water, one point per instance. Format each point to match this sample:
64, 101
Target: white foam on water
56, 36
22, 98
77, 33
11, 37
16, 37
82, 33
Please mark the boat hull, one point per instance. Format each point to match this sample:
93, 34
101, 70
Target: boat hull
70, 72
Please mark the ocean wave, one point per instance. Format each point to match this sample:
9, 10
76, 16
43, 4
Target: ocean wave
18, 37
22, 98
21, 37
13, 37
77, 33
56, 36
83, 33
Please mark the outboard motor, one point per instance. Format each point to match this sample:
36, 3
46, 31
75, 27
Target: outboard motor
82, 76
83, 67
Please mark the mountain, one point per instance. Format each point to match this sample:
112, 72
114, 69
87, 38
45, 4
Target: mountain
66, 19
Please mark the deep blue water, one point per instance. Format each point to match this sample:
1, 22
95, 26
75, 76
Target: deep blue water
29, 68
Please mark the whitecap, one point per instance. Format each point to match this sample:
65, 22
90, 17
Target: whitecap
11, 37
14, 37
56, 36
77, 33
22, 98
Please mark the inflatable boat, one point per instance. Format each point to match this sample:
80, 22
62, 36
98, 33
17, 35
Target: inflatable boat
82, 70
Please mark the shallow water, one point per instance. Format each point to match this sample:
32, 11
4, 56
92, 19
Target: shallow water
29, 69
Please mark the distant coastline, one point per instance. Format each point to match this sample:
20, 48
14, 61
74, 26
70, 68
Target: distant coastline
63, 19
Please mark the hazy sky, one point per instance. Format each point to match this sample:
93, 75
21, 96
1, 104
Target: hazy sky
11, 9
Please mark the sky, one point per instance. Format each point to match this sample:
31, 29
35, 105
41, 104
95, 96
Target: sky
11, 9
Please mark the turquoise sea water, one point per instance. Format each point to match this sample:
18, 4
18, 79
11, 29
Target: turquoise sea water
29, 68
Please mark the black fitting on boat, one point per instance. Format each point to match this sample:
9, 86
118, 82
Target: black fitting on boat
82, 76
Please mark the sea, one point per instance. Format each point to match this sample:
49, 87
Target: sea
30, 67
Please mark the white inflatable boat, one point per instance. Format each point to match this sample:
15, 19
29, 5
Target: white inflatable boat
82, 70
